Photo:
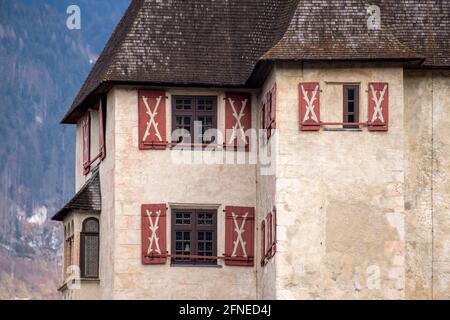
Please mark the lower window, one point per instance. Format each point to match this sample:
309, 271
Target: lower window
194, 235
90, 249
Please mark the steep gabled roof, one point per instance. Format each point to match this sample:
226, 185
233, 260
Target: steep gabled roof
87, 199
423, 25
188, 42
220, 42
337, 30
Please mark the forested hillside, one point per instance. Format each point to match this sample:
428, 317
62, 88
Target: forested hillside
42, 66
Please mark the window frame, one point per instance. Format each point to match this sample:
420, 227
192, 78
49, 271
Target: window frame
194, 113
346, 102
194, 228
83, 235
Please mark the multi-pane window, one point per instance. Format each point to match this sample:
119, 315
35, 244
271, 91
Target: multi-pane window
193, 117
89, 263
194, 235
351, 105
68, 249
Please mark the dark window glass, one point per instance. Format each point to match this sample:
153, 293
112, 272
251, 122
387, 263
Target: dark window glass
199, 111
351, 105
196, 238
90, 249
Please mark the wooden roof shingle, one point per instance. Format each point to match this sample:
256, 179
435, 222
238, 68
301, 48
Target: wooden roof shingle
220, 42
87, 199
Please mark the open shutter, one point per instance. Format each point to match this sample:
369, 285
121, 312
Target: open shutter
152, 119
274, 107
269, 236
378, 106
154, 238
274, 246
263, 243
238, 119
309, 93
239, 233
86, 124
101, 128
268, 110
268, 115
261, 119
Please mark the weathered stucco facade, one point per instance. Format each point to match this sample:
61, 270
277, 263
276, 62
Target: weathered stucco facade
356, 210
359, 213
339, 193
427, 116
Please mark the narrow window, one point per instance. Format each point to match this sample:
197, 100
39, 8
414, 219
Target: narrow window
194, 233
351, 105
191, 112
90, 249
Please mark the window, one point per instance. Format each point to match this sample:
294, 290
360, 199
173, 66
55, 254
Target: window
89, 263
193, 113
351, 105
194, 233
68, 248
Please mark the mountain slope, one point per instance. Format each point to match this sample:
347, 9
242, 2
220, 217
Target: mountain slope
42, 65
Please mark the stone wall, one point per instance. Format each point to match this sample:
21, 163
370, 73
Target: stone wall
339, 193
265, 190
361, 215
427, 193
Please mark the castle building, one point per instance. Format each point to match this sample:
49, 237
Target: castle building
264, 150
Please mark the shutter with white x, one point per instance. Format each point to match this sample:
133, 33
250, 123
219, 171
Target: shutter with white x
309, 94
238, 119
154, 239
378, 106
152, 119
239, 236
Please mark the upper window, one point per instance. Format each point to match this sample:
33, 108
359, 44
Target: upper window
193, 117
89, 263
194, 234
351, 105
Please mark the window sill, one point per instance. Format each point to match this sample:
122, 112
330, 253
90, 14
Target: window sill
68, 282
214, 266
343, 129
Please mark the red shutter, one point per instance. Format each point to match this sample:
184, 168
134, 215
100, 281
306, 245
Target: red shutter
262, 132
86, 124
238, 119
101, 128
239, 236
274, 107
378, 106
154, 243
152, 119
274, 247
263, 243
309, 93
268, 110
269, 235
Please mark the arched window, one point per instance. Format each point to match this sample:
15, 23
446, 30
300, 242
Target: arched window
89, 263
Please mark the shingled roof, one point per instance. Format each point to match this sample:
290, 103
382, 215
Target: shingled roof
188, 42
87, 199
337, 30
220, 42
